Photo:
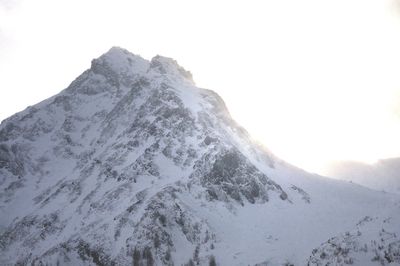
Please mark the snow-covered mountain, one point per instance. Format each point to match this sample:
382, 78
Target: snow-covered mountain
382, 175
133, 164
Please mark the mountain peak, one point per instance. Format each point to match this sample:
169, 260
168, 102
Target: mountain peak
169, 66
116, 52
120, 61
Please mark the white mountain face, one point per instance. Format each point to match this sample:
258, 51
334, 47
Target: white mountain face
382, 175
132, 164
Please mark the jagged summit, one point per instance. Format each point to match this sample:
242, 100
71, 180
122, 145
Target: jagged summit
132, 163
166, 65
121, 61
119, 52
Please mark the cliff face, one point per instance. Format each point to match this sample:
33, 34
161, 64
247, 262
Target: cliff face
132, 163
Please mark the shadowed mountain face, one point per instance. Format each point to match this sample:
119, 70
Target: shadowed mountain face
133, 164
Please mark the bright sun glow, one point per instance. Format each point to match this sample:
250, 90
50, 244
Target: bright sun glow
315, 81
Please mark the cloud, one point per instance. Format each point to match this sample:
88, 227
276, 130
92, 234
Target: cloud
396, 105
3, 44
7, 11
9, 4
396, 6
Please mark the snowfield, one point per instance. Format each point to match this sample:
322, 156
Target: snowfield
132, 164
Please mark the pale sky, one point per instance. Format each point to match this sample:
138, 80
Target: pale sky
314, 80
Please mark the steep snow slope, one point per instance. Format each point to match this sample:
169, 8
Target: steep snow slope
132, 163
382, 175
